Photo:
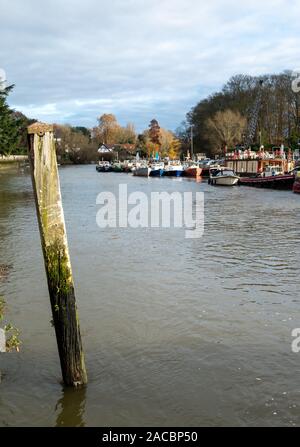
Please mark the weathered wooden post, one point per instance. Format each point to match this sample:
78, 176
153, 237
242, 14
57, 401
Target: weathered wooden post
45, 180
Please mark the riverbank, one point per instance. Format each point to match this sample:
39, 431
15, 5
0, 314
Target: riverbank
12, 163
12, 158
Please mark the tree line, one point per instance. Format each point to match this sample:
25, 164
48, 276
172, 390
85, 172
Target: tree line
219, 122
79, 144
221, 119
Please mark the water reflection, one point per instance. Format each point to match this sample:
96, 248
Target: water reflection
71, 408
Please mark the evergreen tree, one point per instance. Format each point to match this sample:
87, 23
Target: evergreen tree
9, 129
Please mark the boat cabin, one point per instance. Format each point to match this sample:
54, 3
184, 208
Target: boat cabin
272, 170
259, 166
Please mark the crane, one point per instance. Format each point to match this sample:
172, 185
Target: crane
253, 118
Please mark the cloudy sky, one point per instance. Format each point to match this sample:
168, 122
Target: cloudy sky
73, 60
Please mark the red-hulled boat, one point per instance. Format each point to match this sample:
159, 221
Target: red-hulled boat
285, 181
272, 177
192, 171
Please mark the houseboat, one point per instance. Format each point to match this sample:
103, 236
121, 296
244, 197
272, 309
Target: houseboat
272, 177
249, 163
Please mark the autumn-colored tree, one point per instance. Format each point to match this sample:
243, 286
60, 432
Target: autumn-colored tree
166, 139
174, 151
107, 129
126, 134
154, 133
167, 142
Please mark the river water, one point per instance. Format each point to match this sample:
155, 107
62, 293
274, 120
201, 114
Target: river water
176, 331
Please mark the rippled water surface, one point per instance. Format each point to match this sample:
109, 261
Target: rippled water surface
179, 332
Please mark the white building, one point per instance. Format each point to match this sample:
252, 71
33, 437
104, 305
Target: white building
104, 149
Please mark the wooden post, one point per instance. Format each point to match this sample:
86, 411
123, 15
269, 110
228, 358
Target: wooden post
44, 173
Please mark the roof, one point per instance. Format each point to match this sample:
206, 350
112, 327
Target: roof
111, 147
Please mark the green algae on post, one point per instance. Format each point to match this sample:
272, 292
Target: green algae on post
45, 180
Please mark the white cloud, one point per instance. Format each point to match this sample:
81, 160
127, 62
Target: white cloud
74, 60
43, 110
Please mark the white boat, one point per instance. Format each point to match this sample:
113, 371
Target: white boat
223, 177
157, 169
127, 165
104, 166
142, 171
174, 169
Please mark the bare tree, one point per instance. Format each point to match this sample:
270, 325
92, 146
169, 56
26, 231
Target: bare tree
225, 129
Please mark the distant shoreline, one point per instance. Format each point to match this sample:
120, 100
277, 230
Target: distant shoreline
10, 163
13, 163
13, 158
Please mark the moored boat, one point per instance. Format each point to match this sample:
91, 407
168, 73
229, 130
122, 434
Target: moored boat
192, 171
127, 166
104, 166
142, 171
273, 177
117, 167
223, 177
206, 166
174, 170
285, 181
157, 169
